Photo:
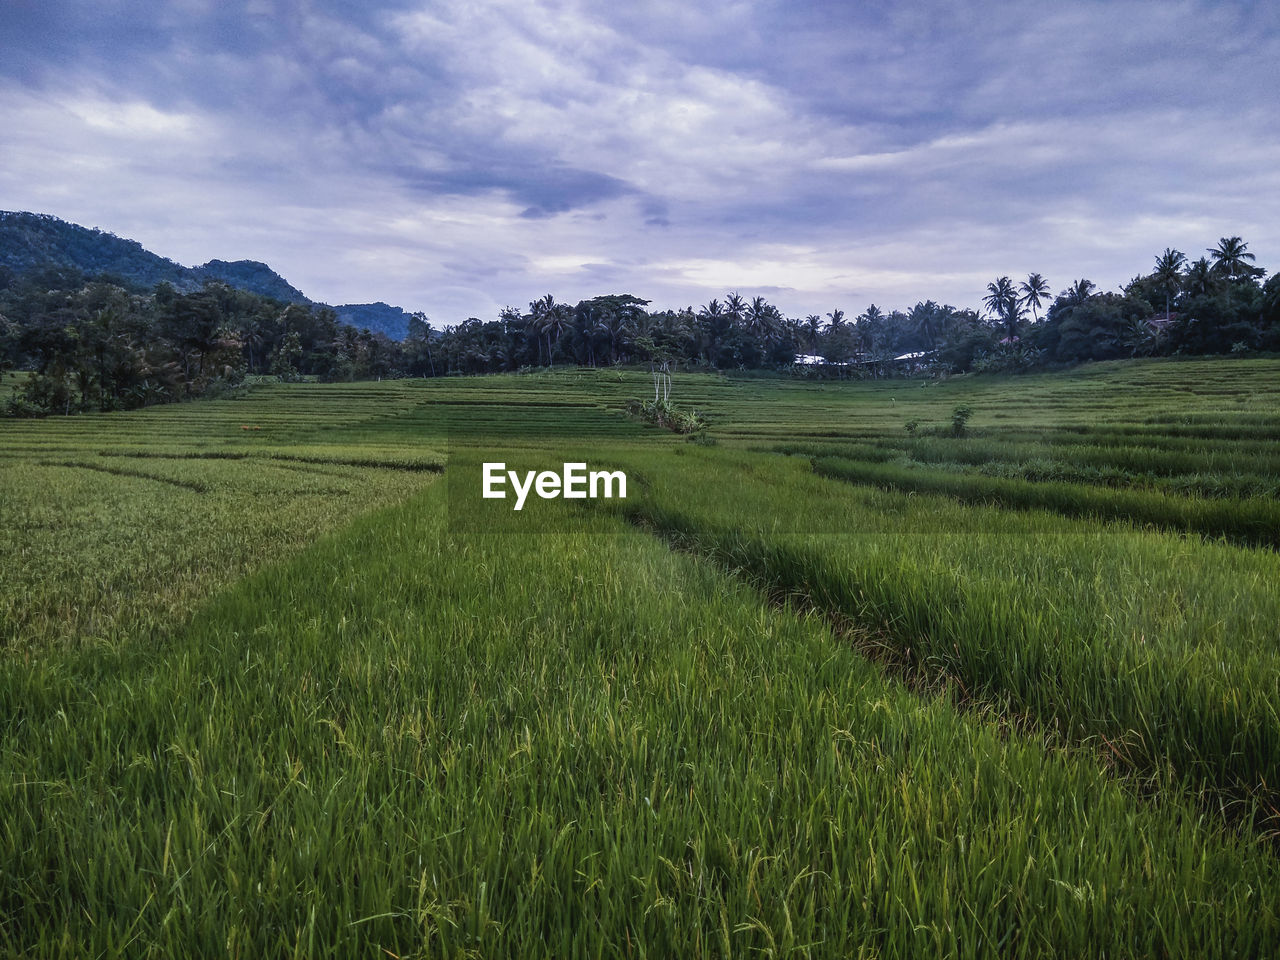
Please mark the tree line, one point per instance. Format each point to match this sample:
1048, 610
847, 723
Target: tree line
104, 344
101, 343
1216, 304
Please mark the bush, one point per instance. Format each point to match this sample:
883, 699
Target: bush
663, 414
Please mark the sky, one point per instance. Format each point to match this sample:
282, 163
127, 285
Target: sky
456, 157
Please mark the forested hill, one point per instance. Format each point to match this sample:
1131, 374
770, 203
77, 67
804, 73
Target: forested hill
31, 242
35, 241
252, 276
376, 317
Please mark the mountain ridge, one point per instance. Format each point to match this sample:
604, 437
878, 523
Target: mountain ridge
30, 242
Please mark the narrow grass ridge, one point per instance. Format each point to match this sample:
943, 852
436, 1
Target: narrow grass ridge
1252, 522
431, 462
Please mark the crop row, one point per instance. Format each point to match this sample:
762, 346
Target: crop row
1252, 521
416, 742
1161, 647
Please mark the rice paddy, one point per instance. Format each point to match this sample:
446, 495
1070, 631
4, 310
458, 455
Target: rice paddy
276, 681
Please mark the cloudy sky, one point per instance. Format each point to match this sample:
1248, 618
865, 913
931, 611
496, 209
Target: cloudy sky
457, 156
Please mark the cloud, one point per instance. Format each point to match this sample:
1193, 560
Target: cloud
457, 157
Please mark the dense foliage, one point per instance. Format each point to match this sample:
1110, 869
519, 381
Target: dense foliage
100, 345
33, 241
1216, 305
103, 342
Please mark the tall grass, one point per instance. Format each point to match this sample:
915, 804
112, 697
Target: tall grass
413, 742
442, 728
1254, 521
1159, 649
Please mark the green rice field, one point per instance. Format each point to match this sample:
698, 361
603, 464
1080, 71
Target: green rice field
835, 679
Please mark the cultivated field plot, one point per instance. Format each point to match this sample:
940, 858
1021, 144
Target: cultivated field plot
844, 677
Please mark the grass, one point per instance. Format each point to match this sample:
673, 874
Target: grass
1251, 521
1160, 647
634, 753
292, 691
119, 525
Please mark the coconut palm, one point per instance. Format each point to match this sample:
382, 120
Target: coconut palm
868, 323
1034, 290
924, 321
615, 326
713, 322
1229, 258
1002, 300
542, 311
763, 320
812, 327
735, 308
554, 323
1079, 292
836, 319
1200, 278
583, 325
253, 337
1169, 273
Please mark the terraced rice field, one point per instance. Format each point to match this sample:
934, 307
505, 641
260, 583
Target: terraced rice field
275, 680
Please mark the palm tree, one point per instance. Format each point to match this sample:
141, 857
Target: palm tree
868, 324
812, 327
1002, 300
542, 310
253, 337
763, 320
1229, 258
615, 325
836, 317
1169, 273
550, 320
555, 324
426, 345
734, 307
924, 320
1035, 290
1080, 291
712, 321
676, 332
791, 327
1200, 278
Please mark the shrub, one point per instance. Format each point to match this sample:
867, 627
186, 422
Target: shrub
663, 414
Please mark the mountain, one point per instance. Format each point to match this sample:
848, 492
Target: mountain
377, 317
252, 276
37, 241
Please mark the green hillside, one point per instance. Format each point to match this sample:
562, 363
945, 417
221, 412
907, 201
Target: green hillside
33, 243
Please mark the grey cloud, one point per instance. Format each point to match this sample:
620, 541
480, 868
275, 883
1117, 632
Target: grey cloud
545, 188
484, 153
